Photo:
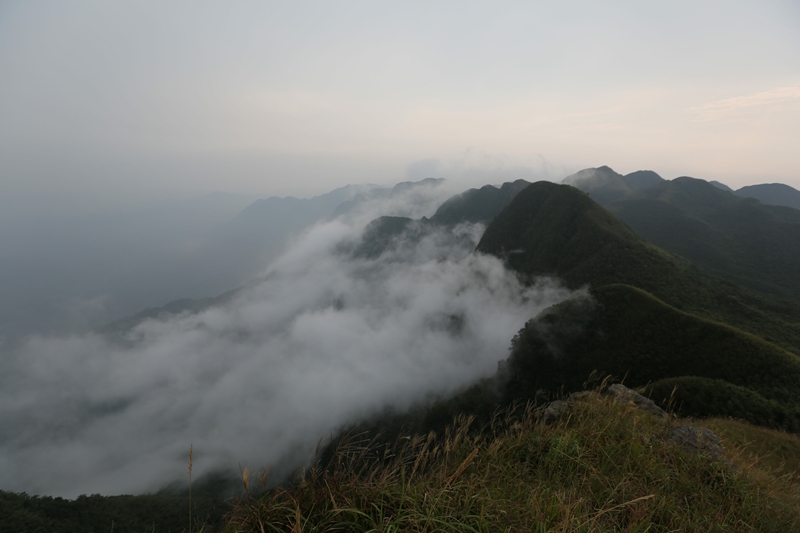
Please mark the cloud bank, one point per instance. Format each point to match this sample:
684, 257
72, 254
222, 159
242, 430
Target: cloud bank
322, 339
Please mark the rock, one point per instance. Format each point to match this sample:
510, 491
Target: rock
583, 395
625, 396
554, 411
696, 439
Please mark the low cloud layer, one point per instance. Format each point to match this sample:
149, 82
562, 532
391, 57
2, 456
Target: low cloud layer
323, 339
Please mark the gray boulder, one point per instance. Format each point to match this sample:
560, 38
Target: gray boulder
696, 440
625, 396
554, 411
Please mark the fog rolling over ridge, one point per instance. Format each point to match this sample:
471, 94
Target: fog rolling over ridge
325, 337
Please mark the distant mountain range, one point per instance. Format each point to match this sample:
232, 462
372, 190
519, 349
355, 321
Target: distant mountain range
772, 194
726, 232
478, 205
691, 286
552, 229
604, 186
693, 293
741, 239
260, 226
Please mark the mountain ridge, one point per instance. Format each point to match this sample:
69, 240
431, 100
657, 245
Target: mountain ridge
748, 242
772, 194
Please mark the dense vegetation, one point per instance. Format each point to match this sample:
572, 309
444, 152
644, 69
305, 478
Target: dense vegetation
702, 341
628, 333
20, 513
772, 194
741, 239
478, 205
551, 229
703, 397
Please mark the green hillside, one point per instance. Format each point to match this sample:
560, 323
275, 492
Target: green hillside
703, 397
551, 229
626, 332
772, 194
753, 244
478, 205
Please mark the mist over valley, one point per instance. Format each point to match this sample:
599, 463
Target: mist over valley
325, 336
360, 267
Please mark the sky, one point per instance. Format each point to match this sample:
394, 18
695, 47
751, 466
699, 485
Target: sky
106, 106
108, 103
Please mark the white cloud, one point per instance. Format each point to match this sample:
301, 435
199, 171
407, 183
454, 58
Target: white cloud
779, 99
324, 338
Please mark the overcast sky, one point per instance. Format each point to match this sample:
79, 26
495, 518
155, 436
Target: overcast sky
111, 101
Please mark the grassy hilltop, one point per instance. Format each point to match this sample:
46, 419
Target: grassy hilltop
600, 469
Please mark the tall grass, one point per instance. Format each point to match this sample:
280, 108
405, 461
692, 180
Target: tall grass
601, 468
190, 486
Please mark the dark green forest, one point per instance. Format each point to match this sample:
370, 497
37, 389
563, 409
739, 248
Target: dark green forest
21, 513
741, 239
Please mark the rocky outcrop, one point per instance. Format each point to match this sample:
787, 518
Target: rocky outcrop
619, 393
625, 396
554, 411
693, 439
696, 440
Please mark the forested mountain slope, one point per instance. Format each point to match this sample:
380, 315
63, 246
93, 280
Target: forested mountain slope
772, 194
741, 239
551, 229
478, 205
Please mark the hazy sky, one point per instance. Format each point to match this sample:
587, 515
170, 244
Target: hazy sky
112, 101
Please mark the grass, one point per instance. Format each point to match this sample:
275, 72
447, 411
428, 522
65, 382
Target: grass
718, 370
601, 468
774, 452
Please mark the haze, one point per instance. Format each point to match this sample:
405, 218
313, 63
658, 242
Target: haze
327, 336
137, 138
105, 103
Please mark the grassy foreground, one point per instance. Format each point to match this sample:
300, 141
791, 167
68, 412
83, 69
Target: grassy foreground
600, 468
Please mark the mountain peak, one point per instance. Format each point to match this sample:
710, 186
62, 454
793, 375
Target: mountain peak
772, 194
642, 179
478, 205
602, 183
591, 176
